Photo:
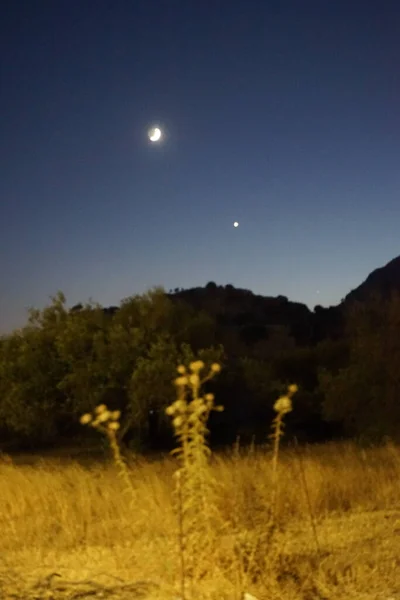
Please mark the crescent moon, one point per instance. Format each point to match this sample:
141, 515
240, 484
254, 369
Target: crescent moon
155, 134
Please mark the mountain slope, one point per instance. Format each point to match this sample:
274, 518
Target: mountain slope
384, 281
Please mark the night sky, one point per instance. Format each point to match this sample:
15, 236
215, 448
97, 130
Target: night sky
283, 115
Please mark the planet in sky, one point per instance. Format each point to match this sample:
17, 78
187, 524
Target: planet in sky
236, 224
155, 134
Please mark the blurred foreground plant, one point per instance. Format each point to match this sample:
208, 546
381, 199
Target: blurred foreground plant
198, 517
107, 422
201, 525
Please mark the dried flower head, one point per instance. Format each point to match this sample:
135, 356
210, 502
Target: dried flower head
194, 380
283, 405
85, 419
104, 416
113, 425
196, 366
180, 406
177, 422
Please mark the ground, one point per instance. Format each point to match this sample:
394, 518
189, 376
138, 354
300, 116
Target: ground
70, 530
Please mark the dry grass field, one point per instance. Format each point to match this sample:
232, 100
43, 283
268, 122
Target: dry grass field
310, 523
71, 530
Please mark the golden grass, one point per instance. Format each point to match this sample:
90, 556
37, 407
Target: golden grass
77, 521
310, 523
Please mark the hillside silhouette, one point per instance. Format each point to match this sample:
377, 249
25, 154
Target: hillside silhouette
383, 281
344, 359
254, 318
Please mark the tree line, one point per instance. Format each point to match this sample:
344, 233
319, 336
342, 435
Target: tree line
64, 362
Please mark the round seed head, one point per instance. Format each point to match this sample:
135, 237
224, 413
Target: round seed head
194, 379
113, 425
104, 416
177, 422
283, 405
196, 366
85, 419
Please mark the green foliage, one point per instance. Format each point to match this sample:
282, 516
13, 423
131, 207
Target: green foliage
82, 345
258, 377
65, 362
364, 393
30, 370
261, 387
151, 386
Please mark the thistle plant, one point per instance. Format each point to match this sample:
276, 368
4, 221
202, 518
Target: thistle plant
194, 484
107, 422
200, 524
282, 407
260, 551
189, 418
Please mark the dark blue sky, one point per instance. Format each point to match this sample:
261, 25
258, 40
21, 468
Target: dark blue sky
283, 115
